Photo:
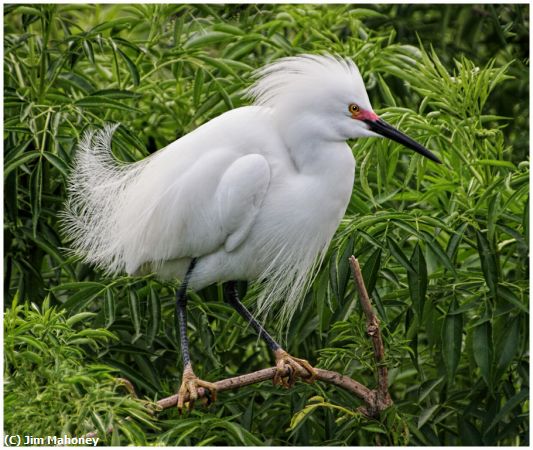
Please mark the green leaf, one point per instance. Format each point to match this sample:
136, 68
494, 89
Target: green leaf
426, 414
96, 101
80, 317
32, 342
109, 308
50, 249
198, 85
525, 221
399, 255
435, 247
386, 92
98, 334
135, 313
374, 429
116, 93
58, 163
31, 357
342, 271
370, 270
98, 423
452, 338
508, 346
77, 81
512, 403
17, 157
418, 280
78, 285
226, 28
488, 263
219, 64
495, 163
505, 293
209, 38
131, 67
469, 433
428, 387
88, 49
482, 349
455, 240
113, 23
36, 185
81, 299
154, 316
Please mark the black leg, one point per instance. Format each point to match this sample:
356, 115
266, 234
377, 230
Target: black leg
181, 314
189, 381
232, 297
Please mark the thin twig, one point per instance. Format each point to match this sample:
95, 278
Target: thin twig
383, 399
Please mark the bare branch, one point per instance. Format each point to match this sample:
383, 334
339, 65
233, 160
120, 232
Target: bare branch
326, 376
383, 399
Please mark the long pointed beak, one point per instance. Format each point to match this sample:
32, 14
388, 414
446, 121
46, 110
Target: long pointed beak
385, 129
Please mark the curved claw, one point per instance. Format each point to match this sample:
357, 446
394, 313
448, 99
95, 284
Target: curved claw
189, 385
295, 366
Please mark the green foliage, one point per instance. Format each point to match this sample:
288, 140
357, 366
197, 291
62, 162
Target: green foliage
444, 249
50, 387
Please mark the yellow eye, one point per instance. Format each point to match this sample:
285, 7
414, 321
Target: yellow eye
354, 109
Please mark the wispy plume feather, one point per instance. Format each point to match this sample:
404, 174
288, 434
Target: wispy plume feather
96, 190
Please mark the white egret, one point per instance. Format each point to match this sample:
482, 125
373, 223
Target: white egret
255, 194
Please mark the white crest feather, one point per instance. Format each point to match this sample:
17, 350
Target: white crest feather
277, 81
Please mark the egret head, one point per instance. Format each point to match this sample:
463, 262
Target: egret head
324, 96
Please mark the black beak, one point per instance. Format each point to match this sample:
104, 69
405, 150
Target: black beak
383, 128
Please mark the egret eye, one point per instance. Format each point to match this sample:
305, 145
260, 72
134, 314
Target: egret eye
354, 109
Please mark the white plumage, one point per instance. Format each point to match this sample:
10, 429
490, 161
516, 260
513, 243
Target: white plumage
255, 194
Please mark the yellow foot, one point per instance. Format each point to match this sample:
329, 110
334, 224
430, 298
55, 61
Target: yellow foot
189, 385
296, 366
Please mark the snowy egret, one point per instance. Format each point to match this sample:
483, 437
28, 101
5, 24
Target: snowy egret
255, 194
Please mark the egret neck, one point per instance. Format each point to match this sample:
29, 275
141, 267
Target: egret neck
316, 153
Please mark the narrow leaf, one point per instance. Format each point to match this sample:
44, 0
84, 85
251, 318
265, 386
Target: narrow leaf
370, 270
488, 263
154, 316
418, 280
96, 101
131, 67
207, 39
16, 162
36, 187
482, 349
508, 346
512, 403
198, 85
426, 414
452, 338
399, 255
109, 308
135, 313
88, 49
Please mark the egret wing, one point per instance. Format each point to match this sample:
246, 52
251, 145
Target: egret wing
239, 197
212, 203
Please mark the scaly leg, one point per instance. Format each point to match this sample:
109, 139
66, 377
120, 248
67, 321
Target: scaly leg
284, 361
190, 382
